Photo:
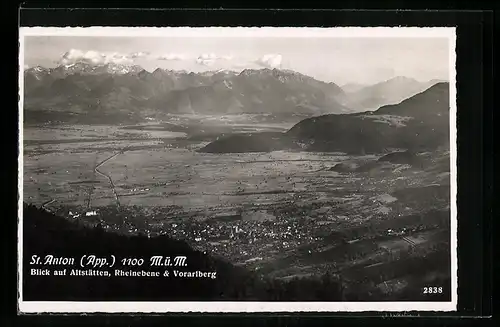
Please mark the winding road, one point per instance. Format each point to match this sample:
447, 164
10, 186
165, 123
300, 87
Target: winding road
96, 169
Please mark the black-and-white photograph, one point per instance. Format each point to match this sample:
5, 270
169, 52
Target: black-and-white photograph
237, 169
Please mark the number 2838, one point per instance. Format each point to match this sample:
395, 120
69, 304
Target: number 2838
433, 290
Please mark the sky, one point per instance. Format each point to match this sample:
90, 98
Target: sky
334, 59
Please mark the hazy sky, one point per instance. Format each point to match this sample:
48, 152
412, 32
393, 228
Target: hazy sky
339, 60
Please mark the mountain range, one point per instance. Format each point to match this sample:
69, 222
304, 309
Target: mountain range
130, 90
120, 93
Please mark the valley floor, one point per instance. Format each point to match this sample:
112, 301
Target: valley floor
282, 214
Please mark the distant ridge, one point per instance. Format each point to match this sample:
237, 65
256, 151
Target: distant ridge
391, 91
131, 90
87, 68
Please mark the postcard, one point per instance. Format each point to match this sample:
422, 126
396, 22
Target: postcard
235, 169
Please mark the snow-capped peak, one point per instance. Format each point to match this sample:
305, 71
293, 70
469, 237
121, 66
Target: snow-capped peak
88, 68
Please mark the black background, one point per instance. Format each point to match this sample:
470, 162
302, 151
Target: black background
474, 111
